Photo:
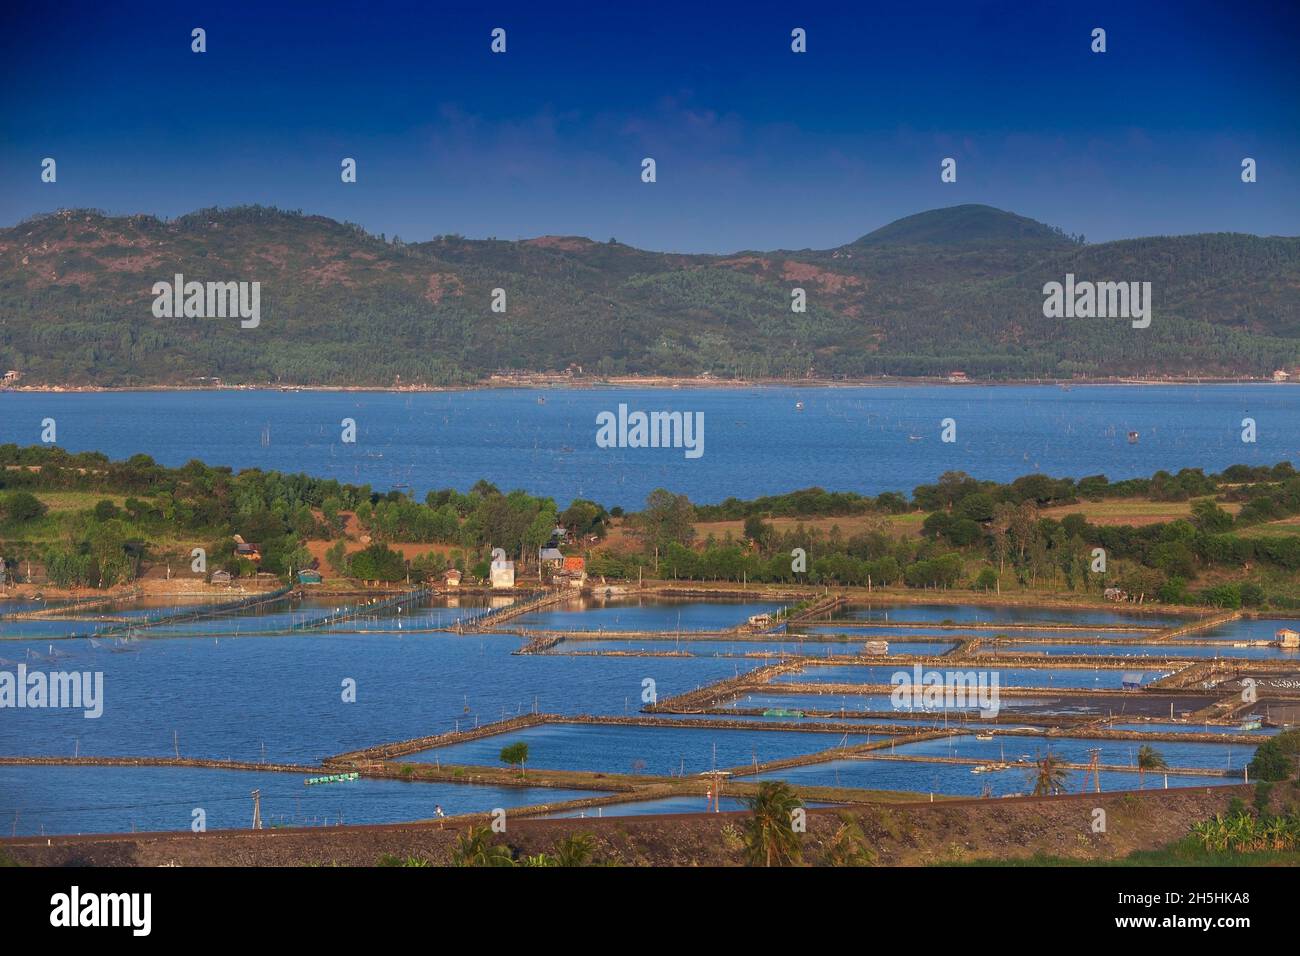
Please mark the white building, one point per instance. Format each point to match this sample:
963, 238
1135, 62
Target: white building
503, 575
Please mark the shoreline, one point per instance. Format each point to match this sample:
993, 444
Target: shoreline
650, 382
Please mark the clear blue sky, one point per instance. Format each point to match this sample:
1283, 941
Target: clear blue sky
756, 147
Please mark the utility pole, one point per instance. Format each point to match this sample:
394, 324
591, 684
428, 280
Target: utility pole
257, 809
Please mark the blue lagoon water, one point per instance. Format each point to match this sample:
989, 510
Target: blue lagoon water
756, 441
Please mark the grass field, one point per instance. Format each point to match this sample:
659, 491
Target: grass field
1287, 527
58, 501
1185, 852
1139, 511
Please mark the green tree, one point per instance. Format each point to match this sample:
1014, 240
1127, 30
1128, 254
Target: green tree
23, 506
667, 519
1149, 759
1049, 774
516, 755
769, 835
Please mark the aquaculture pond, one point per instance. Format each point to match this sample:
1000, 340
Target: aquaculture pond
901, 636
49, 800
660, 751
9, 606
1077, 750
866, 702
1046, 677
287, 698
1249, 629
713, 648
662, 805
1005, 614
1166, 649
644, 614
1149, 727
957, 779
274, 617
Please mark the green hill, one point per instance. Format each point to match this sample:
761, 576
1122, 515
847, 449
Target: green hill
960, 225
950, 288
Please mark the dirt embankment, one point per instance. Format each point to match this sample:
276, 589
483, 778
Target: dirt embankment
899, 834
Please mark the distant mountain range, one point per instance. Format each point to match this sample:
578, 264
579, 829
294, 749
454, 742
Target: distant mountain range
954, 288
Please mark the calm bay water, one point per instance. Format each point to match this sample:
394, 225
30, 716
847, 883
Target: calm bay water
756, 441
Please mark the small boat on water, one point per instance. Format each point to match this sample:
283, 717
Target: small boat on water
1132, 438
332, 778
798, 406
987, 735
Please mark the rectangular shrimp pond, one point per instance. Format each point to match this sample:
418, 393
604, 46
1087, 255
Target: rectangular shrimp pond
77, 799
658, 751
956, 780
667, 615
1168, 650
282, 698
1094, 678
703, 647
213, 679
993, 614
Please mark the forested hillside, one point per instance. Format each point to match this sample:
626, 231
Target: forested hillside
946, 289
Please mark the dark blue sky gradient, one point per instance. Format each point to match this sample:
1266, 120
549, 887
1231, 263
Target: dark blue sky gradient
756, 147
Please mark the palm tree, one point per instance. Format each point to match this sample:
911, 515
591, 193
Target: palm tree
474, 847
1149, 759
769, 834
848, 846
576, 849
1049, 775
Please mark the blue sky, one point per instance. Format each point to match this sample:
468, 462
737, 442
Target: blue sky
756, 147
